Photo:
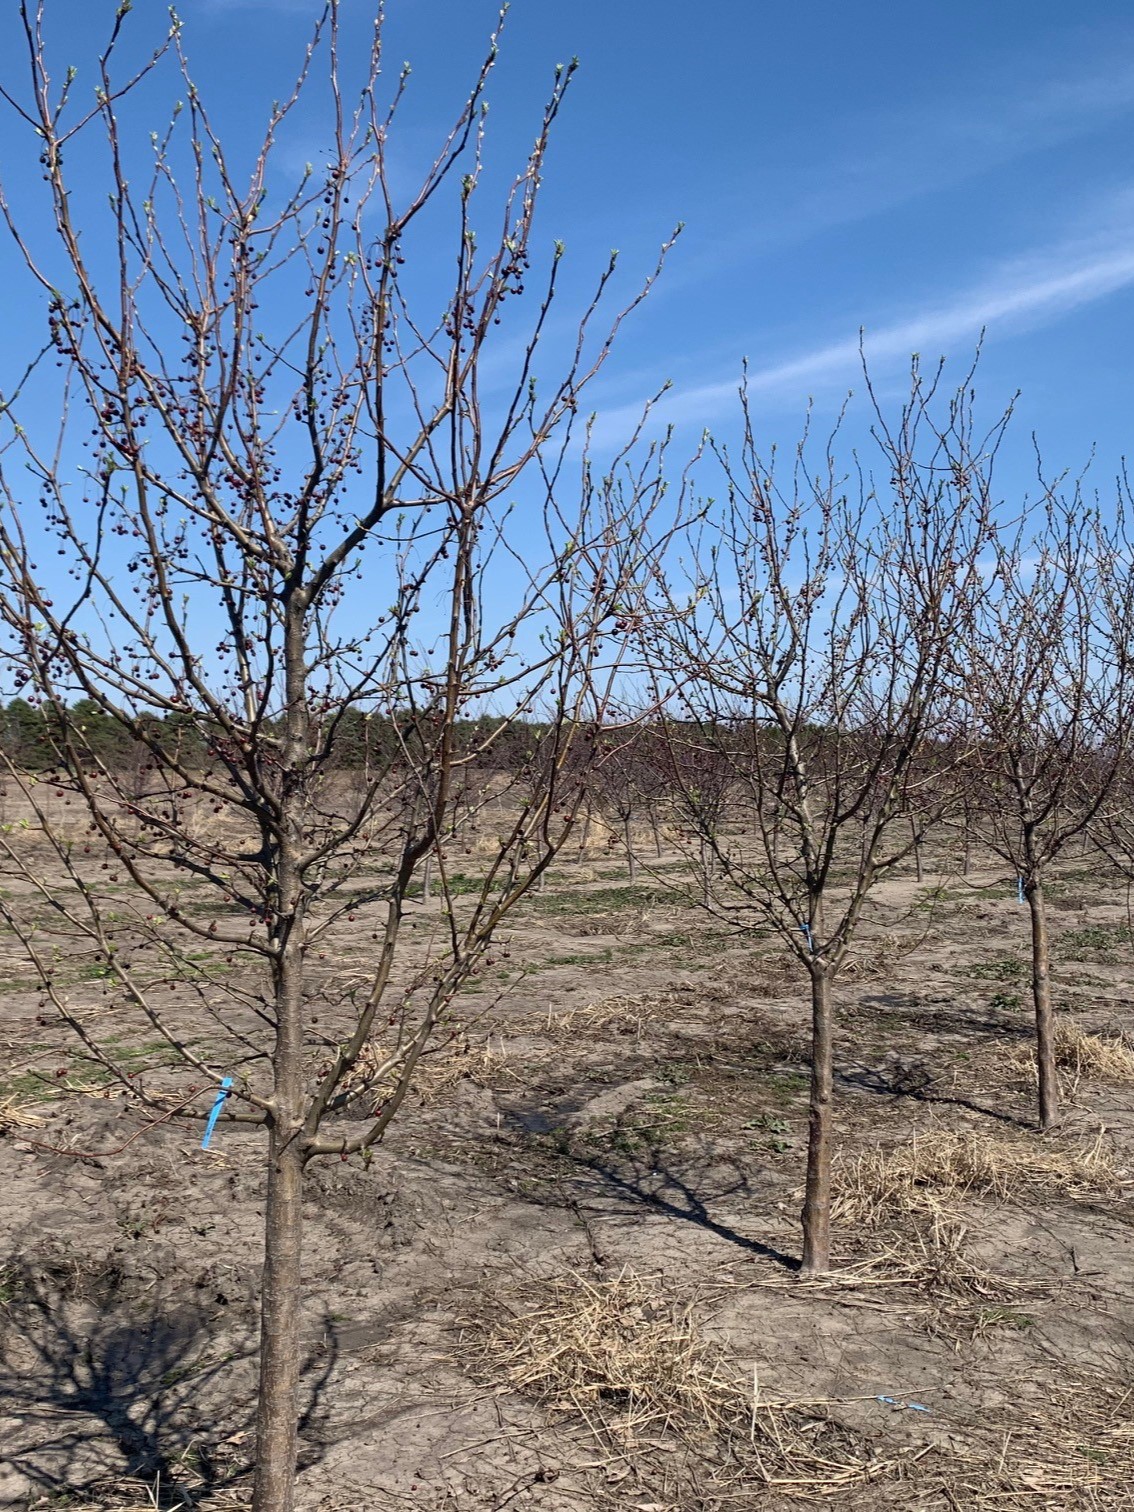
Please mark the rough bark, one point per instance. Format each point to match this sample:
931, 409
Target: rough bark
816, 1213
655, 824
281, 1286
585, 833
707, 869
278, 1405
631, 856
1045, 1013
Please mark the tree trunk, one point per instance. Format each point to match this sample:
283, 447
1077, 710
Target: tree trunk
655, 824
277, 1413
585, 833
1045, 1015
277, 1409
816, 1213
916, 848
427, 879
630, 856
707, 869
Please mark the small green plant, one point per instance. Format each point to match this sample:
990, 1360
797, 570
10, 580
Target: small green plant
775, 1132
657, 1120
1096, 1456
675, 1073
996, 1316
677, 939
599, 958
94, 971
660, 1118
788, 1084
1004, 1002
32, 1086
1003, 969
461, 886
1093, 939
671, 1107
926, 899
598, 900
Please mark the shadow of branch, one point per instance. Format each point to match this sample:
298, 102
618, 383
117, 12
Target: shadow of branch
105, 1380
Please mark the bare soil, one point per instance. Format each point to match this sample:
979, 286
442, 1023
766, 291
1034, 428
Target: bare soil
567, 1280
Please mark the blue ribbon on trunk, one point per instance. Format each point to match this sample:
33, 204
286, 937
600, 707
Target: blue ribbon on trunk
215, 1111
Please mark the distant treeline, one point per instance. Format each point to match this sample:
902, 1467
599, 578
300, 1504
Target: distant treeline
682, 752
39, 738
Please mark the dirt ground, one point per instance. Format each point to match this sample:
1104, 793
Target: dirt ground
567, 1280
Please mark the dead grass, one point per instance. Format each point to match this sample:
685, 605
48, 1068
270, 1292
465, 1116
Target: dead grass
17, 1115
620, 1014
629, 1360
875, 960
437, 1072
583, 1344
910, 1199
923, 1176
933, 1254
1075, 1449
1079, 1057
131, 1495
1105, 1057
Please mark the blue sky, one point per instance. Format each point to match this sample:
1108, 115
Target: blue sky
920, 173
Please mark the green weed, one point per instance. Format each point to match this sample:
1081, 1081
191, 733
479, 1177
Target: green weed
775, 1132
1095, 939
1004, 969
787, 1086
675, 1073
28, 1086
597, 958
661, 1118
1003, 1317
601, 900
1004, 1002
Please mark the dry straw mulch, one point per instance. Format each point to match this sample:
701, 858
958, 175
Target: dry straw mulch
911, 1208
17, 1115
622, 1356
621, 1014
438, 1071
1101, 1056
129, 1494
929, 1174
1080, 1056
1073, 1450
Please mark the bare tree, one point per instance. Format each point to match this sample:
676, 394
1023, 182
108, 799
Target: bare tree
809, 639
274, 504
1045, 663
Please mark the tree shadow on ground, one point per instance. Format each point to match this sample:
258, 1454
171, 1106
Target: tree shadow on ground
650, 1181
891, 1083
960, 1017
104, 1382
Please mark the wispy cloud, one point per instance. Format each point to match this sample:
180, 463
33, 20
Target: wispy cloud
888, 157
1023, 293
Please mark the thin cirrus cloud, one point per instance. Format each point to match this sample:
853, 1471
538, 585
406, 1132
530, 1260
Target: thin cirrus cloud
903, 153
1024, 293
